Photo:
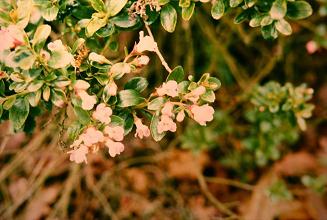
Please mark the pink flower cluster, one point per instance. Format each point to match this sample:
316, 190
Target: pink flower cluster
200, 113
92, 139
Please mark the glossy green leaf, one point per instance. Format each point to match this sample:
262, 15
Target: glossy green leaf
218, 9
18, 113
82, 116
129, 98
154, 129
98, 5
283, 27
177, 74
157, 103
298, 10
188, 12
168, 18
137, 83
278, 9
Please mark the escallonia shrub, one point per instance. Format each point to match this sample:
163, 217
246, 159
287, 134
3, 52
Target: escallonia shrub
51, 61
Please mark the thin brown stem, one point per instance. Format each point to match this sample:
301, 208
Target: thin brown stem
162, 59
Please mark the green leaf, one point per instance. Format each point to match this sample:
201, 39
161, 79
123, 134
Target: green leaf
82, 115
156, 103
213, 83
188, 12
117, 121
266, 20
94, 25
129, 98
129, 124
168, 18
283, 27
137, 83
35, 85
235, 3
98, 5
177, 74
2, 88
118, 70
78, 43
74, 130
256, 21
19, 112
115, 6
208, 96
50, 13
184, 3
242, 16
269, 32
278, 9
58, 97
41, 34
218, 9
298, 10
154, 129
9, 103
34, 98
250, 3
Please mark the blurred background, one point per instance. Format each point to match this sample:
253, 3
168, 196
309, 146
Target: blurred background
244, 164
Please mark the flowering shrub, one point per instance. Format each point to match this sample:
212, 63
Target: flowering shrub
52, 57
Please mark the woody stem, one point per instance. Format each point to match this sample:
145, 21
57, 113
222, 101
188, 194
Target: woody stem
162, 59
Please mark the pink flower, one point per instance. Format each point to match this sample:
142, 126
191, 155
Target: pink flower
168, 109
92, 136
115, 132
141, 61
202, 114
88, 101
141, 129
311, 47
112, 88
166, 124
81, 85
146, 43
169, 88
10, 37
102, 113
79, 155
180, 116
115, 148
195, 94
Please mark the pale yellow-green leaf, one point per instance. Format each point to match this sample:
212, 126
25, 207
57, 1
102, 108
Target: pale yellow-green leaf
41, 34
115, 6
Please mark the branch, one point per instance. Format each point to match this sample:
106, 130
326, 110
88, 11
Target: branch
162, 59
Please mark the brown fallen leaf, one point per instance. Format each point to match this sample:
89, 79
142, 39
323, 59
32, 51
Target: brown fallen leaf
184, 164
296, 164
261, 207
39, 206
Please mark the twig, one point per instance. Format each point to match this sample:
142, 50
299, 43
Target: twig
162, 59
20, 157
208, 30
102, 199
230, 182
63, 202
53, 166
219, 205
